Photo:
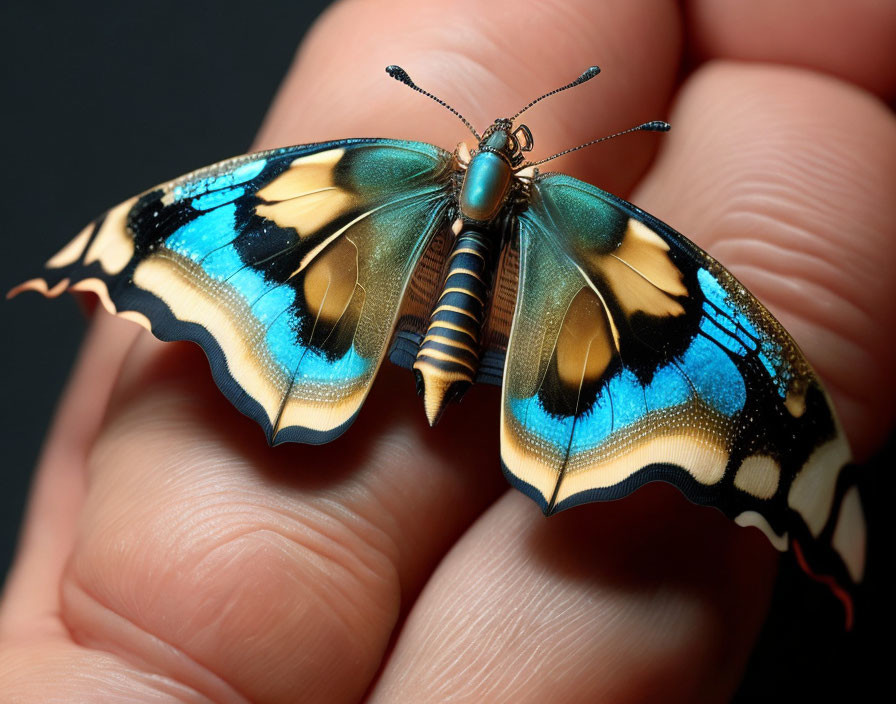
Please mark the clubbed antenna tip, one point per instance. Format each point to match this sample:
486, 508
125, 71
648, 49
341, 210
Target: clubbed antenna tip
588, 74
652, 126
399, 74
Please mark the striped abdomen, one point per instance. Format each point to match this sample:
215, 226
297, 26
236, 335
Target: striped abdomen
448, 358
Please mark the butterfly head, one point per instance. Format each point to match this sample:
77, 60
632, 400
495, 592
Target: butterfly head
509, 143
505, 141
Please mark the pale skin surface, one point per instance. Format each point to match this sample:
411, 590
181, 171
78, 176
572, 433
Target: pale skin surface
169, 555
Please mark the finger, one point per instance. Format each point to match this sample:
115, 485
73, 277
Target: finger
31, 593
650, 598
488, 62
786, 177
643, 599
207, 557
853, 41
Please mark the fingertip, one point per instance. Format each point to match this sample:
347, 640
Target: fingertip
785, 176
486, 68
852, 40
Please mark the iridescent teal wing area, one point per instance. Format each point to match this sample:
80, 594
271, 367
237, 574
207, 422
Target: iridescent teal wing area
635, 357
288, 267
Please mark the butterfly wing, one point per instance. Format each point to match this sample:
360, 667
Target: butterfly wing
634, 356
288, 268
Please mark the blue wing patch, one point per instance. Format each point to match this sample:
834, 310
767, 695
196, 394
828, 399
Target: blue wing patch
635, 357
268, 262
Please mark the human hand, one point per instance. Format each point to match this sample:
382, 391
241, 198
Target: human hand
170, 552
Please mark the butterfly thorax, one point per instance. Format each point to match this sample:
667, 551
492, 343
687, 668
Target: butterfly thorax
488, 178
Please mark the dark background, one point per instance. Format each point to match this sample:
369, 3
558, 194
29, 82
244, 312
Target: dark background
101, 103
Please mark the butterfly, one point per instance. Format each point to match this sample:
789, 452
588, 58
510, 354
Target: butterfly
624, 352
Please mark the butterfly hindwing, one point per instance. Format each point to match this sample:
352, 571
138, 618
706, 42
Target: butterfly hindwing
288, 267
634, 356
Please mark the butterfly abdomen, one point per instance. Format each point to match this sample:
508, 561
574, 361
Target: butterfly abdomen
448, 358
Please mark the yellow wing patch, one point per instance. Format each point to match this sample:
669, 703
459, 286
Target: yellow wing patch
305, 196
584, 347
642, 275
759, 476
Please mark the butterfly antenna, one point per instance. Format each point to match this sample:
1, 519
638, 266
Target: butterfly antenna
654, 126
586, 76
399, 74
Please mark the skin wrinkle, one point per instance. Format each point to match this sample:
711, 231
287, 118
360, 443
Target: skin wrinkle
832, 165
335, 593
380, 567
359, 495
796, 313
394, 555
140, 661
788, 232
333, 554
195, 529
193, 459
472, 674
794, 295
746, 248
567, 610
779, 200
311, 537
789, 196
816, 222
393, 491
785, 192
559, 612
849, 354
820, 306
96, 679
509, 536
322, 594
784, 229
815, 146
847, 399
846, 40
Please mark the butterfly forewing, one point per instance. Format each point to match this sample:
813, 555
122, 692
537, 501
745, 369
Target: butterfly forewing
634, 356
288, 267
